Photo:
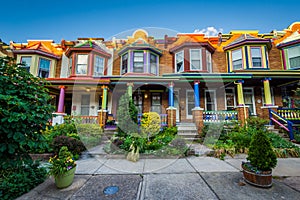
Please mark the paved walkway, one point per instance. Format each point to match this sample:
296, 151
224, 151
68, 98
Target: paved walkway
184, 178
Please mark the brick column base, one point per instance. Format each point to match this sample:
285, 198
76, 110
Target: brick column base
265, 111
198, 118
102, 115
171, 112
243, 114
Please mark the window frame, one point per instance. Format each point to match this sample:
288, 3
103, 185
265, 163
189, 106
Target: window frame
234, 97
26, 66
141, 62
289, 57
261, 57
85, 106
156, 63
187, 98
124, 63
208, 61
182, 67
101, 68
252, 97
83, 64
200, 59
241, 59
214, 99
41, 70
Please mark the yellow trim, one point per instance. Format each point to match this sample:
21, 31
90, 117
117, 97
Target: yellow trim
267, 92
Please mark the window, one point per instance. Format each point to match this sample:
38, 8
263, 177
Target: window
153, 64
294, 57
237, 59
249, 100
179, 65
156, 103
125, 63
210, 100
81, 65
208, 61
190, 103
85, 105
195, 59
44, 68
256, 57
70, 66
138, 61
26, 61
98, 66
229, 98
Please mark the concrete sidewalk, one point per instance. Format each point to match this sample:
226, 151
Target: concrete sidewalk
184, 178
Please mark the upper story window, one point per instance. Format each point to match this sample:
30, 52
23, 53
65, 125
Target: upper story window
138, 61
179, 62
81, 64
256, 57
44, 68
98, 65
26, 61
294, 57
153, 63
125, 63
208, 61
237, 59
195, 59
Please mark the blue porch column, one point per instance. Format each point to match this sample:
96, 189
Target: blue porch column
171, 94
196, 94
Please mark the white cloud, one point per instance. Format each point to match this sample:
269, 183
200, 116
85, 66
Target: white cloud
209, 31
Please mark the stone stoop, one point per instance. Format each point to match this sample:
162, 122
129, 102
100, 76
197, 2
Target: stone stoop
108, 133
272, 129
187, 131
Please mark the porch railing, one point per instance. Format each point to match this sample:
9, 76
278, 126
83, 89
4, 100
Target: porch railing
86, 119
282, 122
292, 114
219, 116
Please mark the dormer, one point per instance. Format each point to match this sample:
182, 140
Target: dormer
88, 58
290, 48
138, 56
247, 51
192, 53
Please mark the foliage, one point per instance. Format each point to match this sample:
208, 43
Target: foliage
89, 134
261, 154
62, 162
150, 124
17, 181
74, 145
127, 116
24, 111
67, 128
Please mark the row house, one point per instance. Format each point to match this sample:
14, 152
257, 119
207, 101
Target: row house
188, 78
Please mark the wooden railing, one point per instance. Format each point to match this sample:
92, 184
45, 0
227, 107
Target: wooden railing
86, 119
282, 122
292, 114
220, 116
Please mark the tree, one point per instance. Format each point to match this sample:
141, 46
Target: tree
24, 112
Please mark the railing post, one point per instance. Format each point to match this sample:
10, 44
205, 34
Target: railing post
290, 127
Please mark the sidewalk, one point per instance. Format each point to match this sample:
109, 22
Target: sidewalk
185, 178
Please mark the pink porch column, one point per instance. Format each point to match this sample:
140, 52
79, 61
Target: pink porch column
61, 99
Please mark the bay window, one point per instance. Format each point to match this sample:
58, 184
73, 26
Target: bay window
44, 68
179, 61
195, 59
26, 61
81, 64
256, 57
237, 61
294, 57
138, 61
98, 65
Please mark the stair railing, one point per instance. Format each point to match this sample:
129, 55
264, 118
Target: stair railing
278, 119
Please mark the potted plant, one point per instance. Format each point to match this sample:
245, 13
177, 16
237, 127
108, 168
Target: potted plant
62, 168
261, 157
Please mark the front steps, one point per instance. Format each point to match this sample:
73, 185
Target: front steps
187, 131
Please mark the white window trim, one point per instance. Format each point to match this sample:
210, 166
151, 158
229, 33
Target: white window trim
186, 104
261, 57
215, 98
182, 61
239, 49
94, 67
87, 64
289, 57
253, 97
234, 97
208, 64
200, 53
149, 64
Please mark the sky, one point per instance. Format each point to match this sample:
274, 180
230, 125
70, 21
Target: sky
70, 19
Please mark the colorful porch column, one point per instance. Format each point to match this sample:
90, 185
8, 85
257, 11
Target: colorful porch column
243, 110
197, 111
268, 100
58, 117
102, 114
171, 110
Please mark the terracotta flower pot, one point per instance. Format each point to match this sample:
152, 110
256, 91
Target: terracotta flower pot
66, 179
263, 179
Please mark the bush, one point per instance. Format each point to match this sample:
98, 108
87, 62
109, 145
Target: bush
17, 181
89, 134
261, 154
150, 124
74, 145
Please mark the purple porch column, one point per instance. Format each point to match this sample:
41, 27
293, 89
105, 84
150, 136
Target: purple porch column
61, 99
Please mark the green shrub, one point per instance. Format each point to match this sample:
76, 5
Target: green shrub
150, 124
261, 154
17, 181
74, 145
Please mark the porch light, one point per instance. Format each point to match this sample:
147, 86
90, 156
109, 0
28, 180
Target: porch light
146, 96
88, 89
